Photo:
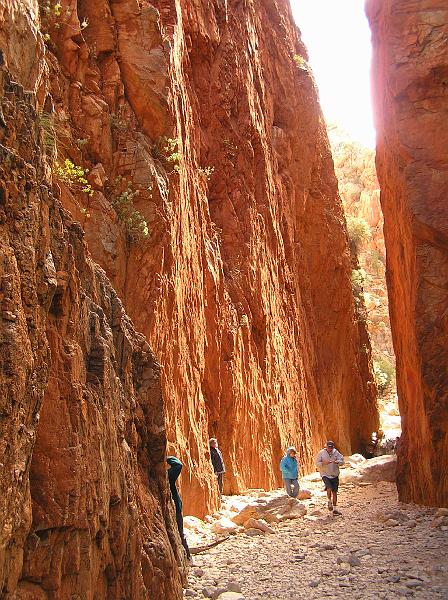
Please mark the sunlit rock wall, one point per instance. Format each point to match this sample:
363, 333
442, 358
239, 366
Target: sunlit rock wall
85, 509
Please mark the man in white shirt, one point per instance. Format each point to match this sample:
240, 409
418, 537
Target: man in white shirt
328, 461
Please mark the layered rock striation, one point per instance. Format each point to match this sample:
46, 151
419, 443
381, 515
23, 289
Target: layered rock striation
85, 508
200, 124
411, 102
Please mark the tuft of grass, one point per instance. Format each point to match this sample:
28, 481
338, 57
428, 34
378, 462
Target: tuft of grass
134, 222
300, 62
206, 172
47, 123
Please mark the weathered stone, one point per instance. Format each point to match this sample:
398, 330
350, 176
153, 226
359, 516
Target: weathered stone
410, 96
85, 505
224, 525
231, 596
381, 468
243, 285
258, 524
304, 495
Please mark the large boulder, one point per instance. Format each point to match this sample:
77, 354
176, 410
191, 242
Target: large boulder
356, 459
381, 468
271, 510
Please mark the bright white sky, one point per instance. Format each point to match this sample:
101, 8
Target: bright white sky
337, 36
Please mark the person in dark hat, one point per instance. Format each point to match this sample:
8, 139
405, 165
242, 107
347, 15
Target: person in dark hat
218, 463
173, 474
328, 462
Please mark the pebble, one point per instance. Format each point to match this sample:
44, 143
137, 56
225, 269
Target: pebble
360, 557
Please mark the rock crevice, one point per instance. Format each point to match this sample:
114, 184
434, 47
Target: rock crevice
85, 504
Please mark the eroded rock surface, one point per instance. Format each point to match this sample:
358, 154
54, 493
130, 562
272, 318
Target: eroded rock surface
243, 285
85, 508
411, 102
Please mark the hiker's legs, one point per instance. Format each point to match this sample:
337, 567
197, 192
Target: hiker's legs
295, 488
329, 490
287, 484
180, 527
335, 488
220, 478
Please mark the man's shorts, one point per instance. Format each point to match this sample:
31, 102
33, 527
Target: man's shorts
331, 483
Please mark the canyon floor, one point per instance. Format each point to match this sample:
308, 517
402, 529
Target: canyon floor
378, 548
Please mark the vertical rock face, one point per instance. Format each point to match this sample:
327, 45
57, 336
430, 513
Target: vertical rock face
209, 111
360, 195
85, 509
411, 99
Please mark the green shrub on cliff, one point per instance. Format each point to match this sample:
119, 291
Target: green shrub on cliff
73, 176
384, 371
134, 222
300, 62
358, 231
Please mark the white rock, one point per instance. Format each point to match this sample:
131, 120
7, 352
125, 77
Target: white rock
356, 459
193, 523
231, 596
224, 525
381, 468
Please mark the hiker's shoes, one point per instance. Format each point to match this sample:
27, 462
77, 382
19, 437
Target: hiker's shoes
336, 511
330, 505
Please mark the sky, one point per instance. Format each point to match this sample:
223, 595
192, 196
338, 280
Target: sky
337, 36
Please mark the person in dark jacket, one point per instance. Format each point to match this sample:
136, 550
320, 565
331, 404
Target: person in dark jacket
173, 474
218, 463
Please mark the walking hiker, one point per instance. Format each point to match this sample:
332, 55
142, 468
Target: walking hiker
290, 472
218, 463
173, 474
328, 461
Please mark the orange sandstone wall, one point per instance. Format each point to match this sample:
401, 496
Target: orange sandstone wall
410, 78
243, 286
85, 509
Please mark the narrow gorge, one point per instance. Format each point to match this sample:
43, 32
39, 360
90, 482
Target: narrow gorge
175, 265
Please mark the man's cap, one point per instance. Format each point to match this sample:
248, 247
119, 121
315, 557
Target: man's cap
211, 440
330, 444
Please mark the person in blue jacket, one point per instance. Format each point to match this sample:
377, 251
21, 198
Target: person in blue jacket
173, 474
290, 472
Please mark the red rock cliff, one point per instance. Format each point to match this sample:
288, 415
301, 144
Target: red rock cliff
210, 112
84, 509
410, 76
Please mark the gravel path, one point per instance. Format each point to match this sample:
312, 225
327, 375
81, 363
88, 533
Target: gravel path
377, 549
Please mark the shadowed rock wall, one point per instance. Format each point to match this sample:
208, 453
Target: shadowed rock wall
85, 509
410, 76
